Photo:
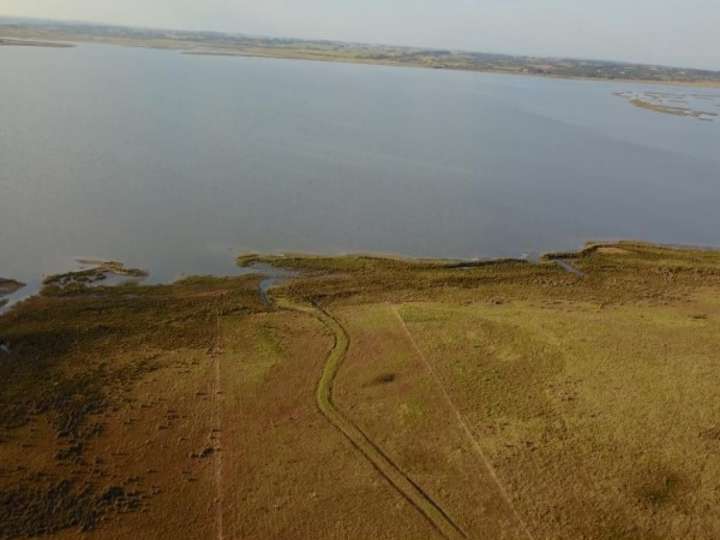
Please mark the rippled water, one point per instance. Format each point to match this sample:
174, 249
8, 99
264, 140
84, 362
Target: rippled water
176, 163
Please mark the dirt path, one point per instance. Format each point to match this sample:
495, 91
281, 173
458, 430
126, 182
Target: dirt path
464, 425
410, 490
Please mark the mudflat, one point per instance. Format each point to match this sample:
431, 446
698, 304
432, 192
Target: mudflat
371, 398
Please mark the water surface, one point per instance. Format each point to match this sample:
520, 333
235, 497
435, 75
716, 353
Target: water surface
176, 163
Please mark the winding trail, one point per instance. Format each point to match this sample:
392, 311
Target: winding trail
410, 490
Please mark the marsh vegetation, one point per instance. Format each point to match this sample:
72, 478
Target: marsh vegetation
703, 107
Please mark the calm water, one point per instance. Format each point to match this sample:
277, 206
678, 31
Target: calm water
175, 163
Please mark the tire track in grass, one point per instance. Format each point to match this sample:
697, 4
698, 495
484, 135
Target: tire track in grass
399, 479
215, 354
464, 425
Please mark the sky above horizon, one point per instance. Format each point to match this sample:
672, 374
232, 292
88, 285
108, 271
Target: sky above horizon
670, 32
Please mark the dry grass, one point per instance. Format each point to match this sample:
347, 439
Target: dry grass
595, 398
522, 399
594, 416
77, 441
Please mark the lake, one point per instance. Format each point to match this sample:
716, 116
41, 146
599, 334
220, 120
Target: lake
177, 163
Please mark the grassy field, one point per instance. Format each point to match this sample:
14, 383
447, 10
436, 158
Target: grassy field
376, 398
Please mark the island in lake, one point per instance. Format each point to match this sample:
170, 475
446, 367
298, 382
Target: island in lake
705, 107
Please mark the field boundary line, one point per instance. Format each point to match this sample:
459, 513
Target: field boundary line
216, 353
463, 423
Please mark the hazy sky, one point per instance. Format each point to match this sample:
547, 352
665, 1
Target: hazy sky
677, 32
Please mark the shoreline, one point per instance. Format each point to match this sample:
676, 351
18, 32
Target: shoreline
588, 247
277, 268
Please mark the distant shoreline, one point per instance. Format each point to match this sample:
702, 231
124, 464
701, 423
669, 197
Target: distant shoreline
310, 58
210, 44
